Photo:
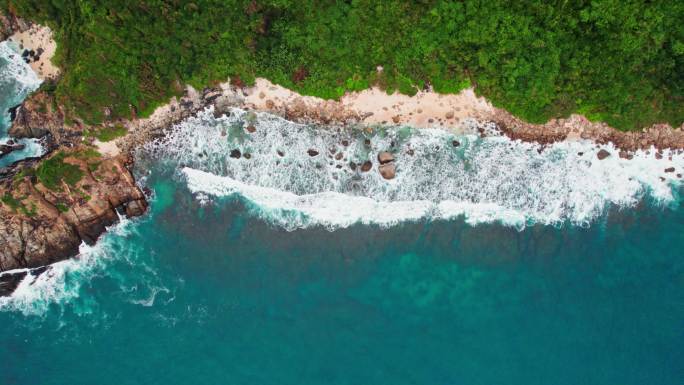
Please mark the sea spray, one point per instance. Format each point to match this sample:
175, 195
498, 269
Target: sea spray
298, 175
60, 283
17, 81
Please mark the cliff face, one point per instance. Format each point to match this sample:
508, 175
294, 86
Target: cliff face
50, 206
37, 116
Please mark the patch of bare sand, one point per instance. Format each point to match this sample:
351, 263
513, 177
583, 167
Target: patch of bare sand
108, 149
39, 40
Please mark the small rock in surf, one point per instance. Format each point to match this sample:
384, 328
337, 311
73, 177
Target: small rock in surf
366, 166
602, 154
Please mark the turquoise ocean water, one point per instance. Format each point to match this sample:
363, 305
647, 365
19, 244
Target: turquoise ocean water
210, 294
489, 262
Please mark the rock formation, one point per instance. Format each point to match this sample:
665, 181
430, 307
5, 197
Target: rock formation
37, 116
9, 24
46, 212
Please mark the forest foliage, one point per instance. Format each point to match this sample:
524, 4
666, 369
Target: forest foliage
620, 61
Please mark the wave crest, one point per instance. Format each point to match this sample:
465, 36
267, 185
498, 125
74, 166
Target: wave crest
439, 174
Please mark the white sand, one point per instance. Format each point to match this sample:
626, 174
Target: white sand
39, 37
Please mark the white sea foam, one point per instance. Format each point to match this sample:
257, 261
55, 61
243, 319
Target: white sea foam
17, 80
61, 282
482, 179
16, 77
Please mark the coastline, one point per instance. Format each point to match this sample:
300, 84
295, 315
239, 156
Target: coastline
40, 116
374, 107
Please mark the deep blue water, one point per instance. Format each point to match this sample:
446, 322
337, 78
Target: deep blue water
195, 294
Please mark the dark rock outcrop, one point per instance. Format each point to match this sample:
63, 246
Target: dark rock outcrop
8, 148
366, 166
602, 154
37, 116
9, 24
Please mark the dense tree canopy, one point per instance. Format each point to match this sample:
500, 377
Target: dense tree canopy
621, 61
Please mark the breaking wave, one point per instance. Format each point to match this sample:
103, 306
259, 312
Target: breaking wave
60, 283
17, 81
297, 175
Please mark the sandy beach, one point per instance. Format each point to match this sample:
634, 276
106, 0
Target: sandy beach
38, 48
426, 109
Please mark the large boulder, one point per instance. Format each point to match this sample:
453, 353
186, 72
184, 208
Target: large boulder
388, 170
385, 157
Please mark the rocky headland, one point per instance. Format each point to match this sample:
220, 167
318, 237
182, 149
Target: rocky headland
51, 205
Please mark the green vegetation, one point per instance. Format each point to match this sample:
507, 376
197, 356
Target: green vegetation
52, 172
618, 61
11, 201
17, 204
107, 133
23, 174
62, 207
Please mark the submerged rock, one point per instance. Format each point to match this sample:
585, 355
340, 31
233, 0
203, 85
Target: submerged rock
312, 152
625, 155
235, 154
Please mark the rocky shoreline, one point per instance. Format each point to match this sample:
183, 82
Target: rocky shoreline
44, 217
44, 220
51, 235
53, 203
301, 109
